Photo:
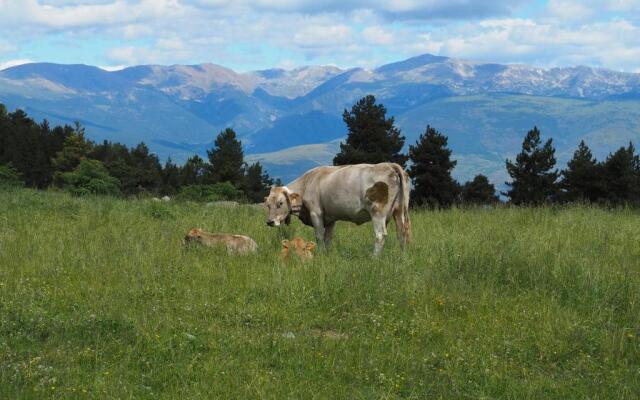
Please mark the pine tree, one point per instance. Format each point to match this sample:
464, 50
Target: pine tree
582, 180
479, 191
146, 171
256, 183
4, 132
226, 159
170, 177
534, 180
75, 149
193, 171
621, 174
117, 160
372, 138
431, 170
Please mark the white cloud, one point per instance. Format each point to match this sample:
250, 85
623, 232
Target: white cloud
322, 35
378, 35
266, 33
609, 44
112, 68
570, 10
13, 63
164, 52
6, 47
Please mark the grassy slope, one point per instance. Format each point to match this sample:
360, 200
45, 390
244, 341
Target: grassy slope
98, 299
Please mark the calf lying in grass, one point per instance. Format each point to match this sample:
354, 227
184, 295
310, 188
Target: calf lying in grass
235, 244
302, 249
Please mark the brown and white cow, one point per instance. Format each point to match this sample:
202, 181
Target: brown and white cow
356, 193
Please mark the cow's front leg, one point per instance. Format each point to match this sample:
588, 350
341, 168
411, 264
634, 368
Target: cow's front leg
328, 234
318, 226
380, 231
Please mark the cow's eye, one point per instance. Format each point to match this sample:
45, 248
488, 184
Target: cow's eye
279, 204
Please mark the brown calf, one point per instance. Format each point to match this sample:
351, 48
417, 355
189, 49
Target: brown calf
302, 249
235, 244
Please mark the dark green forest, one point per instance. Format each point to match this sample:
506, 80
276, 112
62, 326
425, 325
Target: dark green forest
40, 156
37, 155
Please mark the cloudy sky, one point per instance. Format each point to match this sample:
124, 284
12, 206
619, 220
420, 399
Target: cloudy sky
247, 35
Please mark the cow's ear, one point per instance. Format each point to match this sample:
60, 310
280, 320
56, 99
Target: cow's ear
285, 243
311, 246
296, 203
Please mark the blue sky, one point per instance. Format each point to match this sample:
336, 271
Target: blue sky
248, 35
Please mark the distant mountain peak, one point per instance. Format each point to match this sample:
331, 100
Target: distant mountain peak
483, 107
411, 63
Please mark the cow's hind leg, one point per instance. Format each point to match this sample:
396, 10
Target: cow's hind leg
380, 231
401, 227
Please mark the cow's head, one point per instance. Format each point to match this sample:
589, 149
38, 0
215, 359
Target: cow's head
281, 203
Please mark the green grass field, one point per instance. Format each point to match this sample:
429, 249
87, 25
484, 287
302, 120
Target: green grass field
98, 299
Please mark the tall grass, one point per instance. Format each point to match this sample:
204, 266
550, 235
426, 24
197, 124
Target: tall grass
98, 299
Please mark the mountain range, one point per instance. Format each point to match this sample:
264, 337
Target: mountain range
291, 120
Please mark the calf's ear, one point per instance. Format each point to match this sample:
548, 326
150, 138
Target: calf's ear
311, 246
285, 243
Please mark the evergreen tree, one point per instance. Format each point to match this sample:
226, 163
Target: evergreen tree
26, 149
116, 158
56, 138
170, 177
621, 174
372, 138
256, 183
193, 171
534, 180
75, 149
226, 159
582, 180
4, 131
431, 170
479, 191
146, 171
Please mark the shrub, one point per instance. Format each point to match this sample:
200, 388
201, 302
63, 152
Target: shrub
90, 177
160, 211
9, 177
205, 193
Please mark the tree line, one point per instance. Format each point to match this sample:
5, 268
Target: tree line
36, 155
374, 138
39, 156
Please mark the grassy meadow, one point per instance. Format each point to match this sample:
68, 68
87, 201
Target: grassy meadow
98, 299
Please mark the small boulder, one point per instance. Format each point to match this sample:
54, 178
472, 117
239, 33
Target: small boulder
224, 204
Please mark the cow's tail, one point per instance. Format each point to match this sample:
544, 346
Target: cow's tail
401, 211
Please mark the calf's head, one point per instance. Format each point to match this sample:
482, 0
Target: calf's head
302, 249
281, 203
193, 234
